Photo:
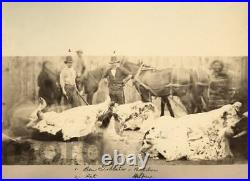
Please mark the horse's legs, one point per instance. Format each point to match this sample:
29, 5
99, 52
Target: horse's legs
205, 99
199, 99
162, 107
149, 96
59, 98
146, 98
189, 102
90, 98
169, 107
145, 94
164, 100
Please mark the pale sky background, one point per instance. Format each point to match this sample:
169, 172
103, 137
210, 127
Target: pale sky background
154, 29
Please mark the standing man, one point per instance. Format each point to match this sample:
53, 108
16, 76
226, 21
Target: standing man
117, 77
219, 87
68, 83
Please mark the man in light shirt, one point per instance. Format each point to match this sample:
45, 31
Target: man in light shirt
68, 83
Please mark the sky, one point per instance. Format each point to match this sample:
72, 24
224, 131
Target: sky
133, 29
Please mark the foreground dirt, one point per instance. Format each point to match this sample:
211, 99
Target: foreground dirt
86, 151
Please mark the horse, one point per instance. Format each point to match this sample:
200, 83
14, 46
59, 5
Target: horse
189, 85
90, 81
159, 83
48, 83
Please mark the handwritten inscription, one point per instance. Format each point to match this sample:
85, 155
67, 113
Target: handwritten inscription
132, 172
141, 175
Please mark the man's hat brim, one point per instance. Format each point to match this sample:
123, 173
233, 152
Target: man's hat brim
79, 51
113, 62
68, 61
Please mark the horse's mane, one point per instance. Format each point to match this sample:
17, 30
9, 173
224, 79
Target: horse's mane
99, 71
135, 66
124, 62
97, 74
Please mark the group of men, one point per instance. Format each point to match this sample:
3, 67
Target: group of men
116, 75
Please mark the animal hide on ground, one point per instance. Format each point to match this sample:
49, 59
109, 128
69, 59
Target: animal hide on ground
73, 123
83, 120
133, 115
202, 136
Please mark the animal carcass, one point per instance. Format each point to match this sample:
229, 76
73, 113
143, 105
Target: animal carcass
83, 120
202, 136
133, 115
73, 123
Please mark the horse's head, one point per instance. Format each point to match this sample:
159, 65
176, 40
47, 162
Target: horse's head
130, 66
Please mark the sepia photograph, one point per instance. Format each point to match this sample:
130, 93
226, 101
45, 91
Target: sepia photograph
124, 90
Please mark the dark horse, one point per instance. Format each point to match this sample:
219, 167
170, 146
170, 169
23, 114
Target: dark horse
189, 85
48, 82
90, 81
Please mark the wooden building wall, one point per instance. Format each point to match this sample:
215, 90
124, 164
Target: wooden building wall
20, 74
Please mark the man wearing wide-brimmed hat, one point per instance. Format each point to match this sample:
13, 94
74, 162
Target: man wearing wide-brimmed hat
68, 83
117, 77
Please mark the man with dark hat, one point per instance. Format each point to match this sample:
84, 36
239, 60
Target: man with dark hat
117, 77
68, 83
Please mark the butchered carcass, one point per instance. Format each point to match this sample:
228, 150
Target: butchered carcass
72, 123
202, 136
239, 142
81, 121
133, 115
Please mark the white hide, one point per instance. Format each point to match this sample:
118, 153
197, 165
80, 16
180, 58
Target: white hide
197, 136
133, 115
75, 122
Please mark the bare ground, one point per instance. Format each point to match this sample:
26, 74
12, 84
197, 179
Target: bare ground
88, 151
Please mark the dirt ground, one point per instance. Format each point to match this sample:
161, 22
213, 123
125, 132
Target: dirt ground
87, 150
